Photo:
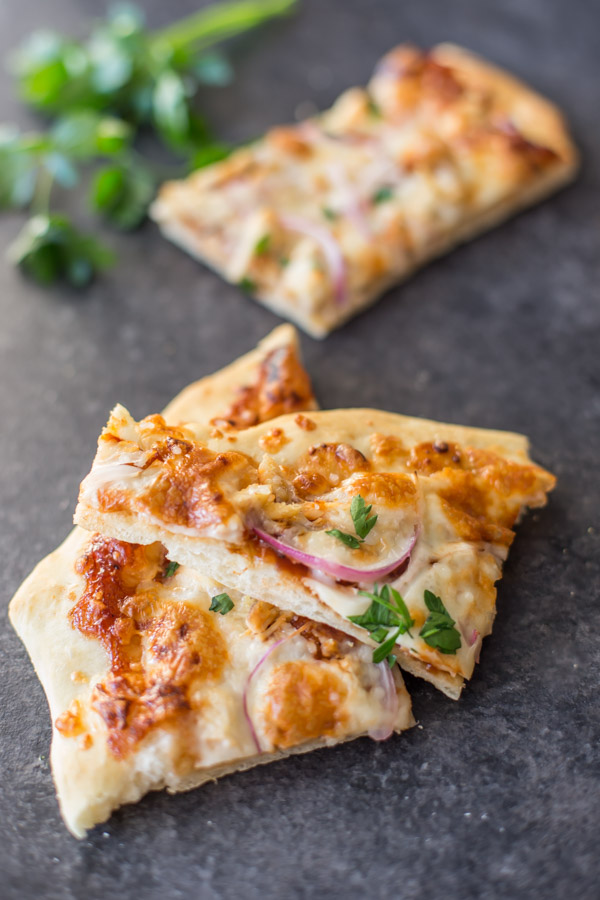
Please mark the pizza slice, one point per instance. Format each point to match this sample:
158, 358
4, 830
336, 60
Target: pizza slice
156, 677
317, 219
392, 529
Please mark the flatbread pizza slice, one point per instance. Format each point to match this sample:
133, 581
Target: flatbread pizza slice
317, 219
392, 529
156, 677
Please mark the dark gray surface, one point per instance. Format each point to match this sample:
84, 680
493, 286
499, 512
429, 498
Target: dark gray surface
493, 797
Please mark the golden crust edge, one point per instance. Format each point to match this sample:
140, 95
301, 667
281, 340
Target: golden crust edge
544, 121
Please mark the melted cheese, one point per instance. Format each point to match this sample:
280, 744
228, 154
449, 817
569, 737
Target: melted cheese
172, 664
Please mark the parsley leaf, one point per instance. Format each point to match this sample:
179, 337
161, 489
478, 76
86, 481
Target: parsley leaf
121, 193
171, 569
348, 539
373, 108
363, 522
384, 650
222, 603
262, 245
247, 285
383, 194
387, 610
329, 213
50, 248
439, 631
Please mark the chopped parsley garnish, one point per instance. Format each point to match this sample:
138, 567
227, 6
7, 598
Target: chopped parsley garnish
348, 539
171, 569
363, 524
383, 194
384, 650
222, 603
439, 631
284, 261
247, 285
373, 108
329, 213
262, 245
387, 610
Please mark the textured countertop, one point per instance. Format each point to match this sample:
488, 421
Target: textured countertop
496, 796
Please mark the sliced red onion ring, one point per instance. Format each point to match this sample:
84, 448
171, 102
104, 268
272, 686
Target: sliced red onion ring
330, 248
262, 660
390, 703
473, 638
337, 570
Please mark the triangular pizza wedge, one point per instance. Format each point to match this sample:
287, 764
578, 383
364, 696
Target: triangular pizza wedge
387, 527
318, 219
147, 686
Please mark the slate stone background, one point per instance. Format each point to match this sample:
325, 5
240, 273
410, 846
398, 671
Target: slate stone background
496, 796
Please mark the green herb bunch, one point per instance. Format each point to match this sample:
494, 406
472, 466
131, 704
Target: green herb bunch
98, 95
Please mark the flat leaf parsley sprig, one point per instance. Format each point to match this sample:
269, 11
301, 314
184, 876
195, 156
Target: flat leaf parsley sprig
99, 93
389, 610
363, 524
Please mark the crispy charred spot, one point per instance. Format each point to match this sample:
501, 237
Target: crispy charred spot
111, 570
387, 448
537, 155
305, 700
187, 490
156, 652
433, 456
386, 488
288, 139
325, 466
70, 723
466, 506
282, 386
273, 440
305, 423
416, 79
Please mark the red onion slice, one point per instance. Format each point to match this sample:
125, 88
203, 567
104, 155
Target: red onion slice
390, 703
331, 250
337, 570
261, 661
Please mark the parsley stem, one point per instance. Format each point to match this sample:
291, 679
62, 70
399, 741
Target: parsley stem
382, 602
219, 22
43, 188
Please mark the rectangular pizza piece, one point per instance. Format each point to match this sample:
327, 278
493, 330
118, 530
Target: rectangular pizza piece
317, 219
390, 528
